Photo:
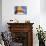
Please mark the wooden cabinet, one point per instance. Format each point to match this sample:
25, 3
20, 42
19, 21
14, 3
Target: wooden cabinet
22, 33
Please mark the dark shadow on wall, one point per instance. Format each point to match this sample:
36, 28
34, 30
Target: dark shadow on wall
0, 15
43, 6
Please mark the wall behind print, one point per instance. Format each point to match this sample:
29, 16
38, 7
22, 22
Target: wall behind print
33, 11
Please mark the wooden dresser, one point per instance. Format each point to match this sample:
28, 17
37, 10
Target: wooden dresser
22, 33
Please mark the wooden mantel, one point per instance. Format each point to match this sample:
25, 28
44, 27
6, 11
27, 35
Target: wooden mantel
23, 27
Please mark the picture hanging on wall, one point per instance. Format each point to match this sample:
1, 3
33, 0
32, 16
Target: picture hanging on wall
20, 10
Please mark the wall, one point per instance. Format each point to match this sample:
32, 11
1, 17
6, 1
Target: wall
33, 10
0, 15
43, 6
43, 14
34, 14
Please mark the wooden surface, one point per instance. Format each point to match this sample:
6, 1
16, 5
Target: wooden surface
23, 27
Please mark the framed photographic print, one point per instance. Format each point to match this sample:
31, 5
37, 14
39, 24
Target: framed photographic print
20, 10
